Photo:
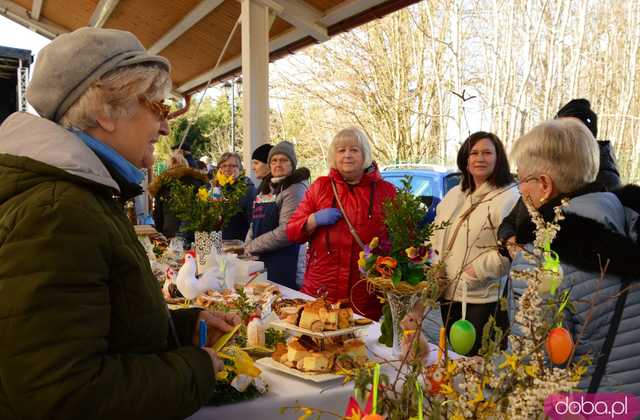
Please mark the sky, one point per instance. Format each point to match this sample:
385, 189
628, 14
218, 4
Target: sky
17, 36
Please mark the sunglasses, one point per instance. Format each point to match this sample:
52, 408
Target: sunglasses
159, 108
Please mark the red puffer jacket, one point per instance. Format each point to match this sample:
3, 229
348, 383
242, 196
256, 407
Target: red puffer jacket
332, 265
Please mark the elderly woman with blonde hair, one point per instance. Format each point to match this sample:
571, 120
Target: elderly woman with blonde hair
354, 184
597, 244
84, 329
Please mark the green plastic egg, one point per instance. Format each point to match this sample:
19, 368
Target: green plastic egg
462, 336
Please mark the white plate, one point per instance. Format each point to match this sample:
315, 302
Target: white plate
268, 362
323, 334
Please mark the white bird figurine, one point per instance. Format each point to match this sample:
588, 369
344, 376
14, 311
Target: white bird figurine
191, 286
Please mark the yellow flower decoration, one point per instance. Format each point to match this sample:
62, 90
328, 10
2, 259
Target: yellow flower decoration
306, 413
411, 252
578, 372
223, 179
457, 416
531, 370
510, 360
203, 194
242, 362
222, 375
374, 243
479, 396
451, 368
362, 263
446, 389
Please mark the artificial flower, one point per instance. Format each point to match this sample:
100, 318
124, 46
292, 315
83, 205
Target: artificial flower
479, 395
203, 194
374, 243
531, 370
222, 375
223, 179
306, 413
418, 255
510, 360
386, 265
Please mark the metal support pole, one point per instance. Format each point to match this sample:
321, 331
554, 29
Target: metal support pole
23, 77
233, 116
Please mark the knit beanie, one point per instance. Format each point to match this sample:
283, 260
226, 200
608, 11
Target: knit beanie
262, 153
581, 109
285, 148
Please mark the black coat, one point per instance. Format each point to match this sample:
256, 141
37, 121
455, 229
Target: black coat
238, 225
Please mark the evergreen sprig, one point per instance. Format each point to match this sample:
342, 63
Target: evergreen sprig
198, 212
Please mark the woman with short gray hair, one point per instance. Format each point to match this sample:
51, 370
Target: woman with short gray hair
85, 331
355, 184
558, 160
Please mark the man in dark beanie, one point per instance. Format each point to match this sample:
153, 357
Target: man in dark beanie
608, 176
260, 160
580, 109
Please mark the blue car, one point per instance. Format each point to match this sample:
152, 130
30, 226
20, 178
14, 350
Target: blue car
429, 182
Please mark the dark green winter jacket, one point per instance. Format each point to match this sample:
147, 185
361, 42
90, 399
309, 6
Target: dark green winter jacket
84, 330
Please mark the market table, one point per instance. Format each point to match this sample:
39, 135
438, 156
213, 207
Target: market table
289, 391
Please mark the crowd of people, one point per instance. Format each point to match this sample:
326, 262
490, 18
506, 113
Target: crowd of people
84, 327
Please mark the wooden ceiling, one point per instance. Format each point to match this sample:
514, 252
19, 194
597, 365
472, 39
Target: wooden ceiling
192, 33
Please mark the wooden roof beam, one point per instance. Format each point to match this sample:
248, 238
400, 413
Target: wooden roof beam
102, 12
36, 8
194, 16
20, 15
300, 15
333, 16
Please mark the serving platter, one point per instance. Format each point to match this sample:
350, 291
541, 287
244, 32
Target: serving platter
269, 363
322, 334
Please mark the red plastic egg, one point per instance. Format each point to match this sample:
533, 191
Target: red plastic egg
559, 345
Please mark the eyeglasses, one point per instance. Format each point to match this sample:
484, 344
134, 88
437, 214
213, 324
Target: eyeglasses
527, 179
229, 166
159, 108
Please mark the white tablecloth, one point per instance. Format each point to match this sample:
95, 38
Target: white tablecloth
286, 390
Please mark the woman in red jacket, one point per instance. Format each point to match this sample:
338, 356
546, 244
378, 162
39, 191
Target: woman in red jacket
332, 267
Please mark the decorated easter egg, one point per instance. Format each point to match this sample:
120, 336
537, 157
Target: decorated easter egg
559, 345
462, 336
373, 417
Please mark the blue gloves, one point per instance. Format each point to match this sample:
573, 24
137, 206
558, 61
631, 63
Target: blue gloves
327, 217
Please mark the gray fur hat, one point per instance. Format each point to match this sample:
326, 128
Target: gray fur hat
72, 62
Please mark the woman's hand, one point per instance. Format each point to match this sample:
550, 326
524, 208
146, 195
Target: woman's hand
217, 364
218, 323
327, 217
